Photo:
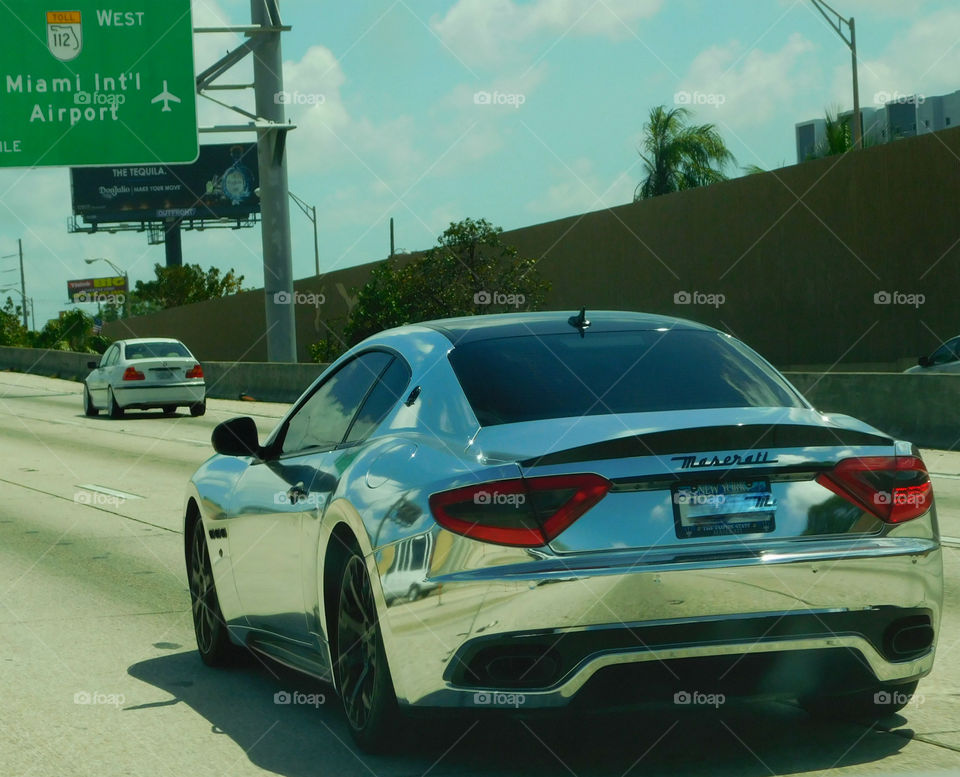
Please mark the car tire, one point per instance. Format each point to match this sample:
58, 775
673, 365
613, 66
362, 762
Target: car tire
169, 409
870, 705
209, 627
88, 407
113, 409
363, 675
198, 409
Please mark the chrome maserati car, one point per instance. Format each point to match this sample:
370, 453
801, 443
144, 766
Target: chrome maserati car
538, 510
158, 372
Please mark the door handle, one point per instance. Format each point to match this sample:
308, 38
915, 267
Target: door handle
296, 493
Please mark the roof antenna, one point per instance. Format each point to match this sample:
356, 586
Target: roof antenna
580, 321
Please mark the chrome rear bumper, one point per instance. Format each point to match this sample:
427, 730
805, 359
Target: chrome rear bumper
852, 590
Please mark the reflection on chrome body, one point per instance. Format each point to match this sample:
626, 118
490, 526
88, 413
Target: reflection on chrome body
440, 595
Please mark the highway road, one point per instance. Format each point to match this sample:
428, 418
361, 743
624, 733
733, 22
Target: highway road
99, 676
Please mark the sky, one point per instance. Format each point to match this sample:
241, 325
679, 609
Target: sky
517, 111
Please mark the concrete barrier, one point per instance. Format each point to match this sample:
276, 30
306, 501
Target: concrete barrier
263, 381
225, 380
52, 364
924, 409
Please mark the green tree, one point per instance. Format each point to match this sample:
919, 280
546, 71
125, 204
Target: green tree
73, 331
176, 286
838, 137
12, 331
470, 271
678, 155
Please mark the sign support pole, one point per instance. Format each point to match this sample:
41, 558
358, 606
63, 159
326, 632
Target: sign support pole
173, 244
275, 206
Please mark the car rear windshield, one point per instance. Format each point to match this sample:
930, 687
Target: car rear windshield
530, 378
157, 350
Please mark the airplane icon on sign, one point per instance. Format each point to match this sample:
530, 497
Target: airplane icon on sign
166, 98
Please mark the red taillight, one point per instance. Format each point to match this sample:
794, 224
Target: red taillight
893, 488
132, 373
522, 512
195, 372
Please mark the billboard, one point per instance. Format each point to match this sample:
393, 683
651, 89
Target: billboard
219, 185
97, 289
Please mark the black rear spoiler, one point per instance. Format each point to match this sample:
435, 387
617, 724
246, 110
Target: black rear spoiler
711, 438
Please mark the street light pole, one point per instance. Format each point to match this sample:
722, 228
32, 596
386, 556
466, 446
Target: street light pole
126, 281
310, 211
851, 42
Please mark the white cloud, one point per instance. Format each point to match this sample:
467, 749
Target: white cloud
489, 31
327, 136
924, 60
580, 189
728, 85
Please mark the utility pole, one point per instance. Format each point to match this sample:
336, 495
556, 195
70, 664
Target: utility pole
275, 204
851, 41
23, 286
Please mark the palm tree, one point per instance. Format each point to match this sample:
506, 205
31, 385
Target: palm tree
837, 138
677, 155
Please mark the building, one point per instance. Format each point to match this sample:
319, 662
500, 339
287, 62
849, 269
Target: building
898, 117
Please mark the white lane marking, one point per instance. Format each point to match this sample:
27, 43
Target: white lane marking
109, 491
941, 475
951, 541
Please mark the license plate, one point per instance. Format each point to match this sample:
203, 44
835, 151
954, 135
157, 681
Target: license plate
728, 507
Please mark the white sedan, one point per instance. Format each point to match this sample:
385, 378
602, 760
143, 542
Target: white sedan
143, 374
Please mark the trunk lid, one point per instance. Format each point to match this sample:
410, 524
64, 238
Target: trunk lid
697, 478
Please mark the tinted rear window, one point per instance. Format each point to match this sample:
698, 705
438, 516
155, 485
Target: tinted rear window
155, 350
559, 376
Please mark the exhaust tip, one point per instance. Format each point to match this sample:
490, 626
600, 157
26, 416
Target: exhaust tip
908, 638
532, 666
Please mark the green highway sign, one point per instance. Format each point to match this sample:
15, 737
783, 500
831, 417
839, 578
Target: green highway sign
87, 83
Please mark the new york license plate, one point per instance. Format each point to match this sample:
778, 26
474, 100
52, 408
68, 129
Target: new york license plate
728, 507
